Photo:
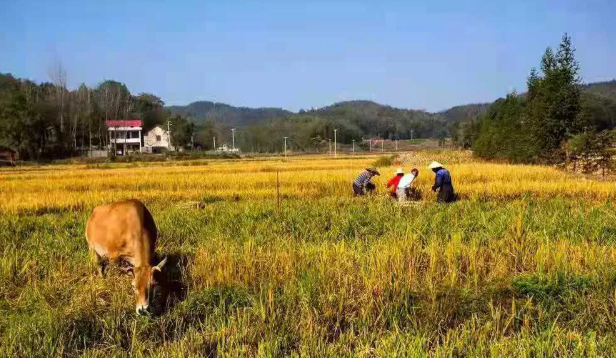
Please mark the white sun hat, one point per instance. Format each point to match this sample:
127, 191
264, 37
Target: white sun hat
399, 171
435, 165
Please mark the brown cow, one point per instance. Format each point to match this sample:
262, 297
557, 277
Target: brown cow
125, 233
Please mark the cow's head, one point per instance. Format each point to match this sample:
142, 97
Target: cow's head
143, 280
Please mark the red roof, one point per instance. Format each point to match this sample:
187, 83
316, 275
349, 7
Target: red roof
124, 123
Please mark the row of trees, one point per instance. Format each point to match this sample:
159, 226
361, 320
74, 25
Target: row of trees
311, 130
552, 123
49, 121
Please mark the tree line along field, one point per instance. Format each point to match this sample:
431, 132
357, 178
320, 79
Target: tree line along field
523, 265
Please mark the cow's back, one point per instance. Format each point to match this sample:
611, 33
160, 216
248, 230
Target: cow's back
124, 229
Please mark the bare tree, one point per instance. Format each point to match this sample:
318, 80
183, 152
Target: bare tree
129, 104
115, 100
82, 114
104, 103
57, 75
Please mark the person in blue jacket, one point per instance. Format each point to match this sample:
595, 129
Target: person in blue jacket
442, 182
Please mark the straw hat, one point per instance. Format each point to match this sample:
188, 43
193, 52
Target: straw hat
435, 165
374, 170
399, 171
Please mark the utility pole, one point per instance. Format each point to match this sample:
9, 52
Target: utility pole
396, 145
90, 138
335, 143
285, 146
353, 146
371, 144
214, 138
329, 140
124, 145
412, 135
382, 142
233, 134
169, 132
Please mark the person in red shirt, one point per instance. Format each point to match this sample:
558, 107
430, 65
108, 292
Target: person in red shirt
393, 183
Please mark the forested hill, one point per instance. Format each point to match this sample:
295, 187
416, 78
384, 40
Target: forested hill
605, 89
202, 111
227, 114
597, 91
464, 112
353, 119
360, 117
599, 102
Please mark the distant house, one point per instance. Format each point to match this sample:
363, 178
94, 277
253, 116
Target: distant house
124, 135
7, 156
156, 140
225, 148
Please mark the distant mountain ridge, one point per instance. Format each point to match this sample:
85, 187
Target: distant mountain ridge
605, 89
202, 111
225, 113
464, 112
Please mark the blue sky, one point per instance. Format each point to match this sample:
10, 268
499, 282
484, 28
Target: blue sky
411, 54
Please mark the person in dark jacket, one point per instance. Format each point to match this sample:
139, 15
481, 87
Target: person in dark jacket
363, 183
442, 182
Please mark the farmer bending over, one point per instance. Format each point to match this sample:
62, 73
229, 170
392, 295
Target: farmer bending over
393, 183
405, 186
363, 183
442, 182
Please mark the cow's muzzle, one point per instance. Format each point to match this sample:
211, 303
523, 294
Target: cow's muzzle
143, 311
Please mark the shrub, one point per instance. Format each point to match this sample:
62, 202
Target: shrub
385, 161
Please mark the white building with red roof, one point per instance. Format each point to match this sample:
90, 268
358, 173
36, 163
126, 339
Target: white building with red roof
124, 135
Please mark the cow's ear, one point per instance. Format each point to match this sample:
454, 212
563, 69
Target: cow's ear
160, 265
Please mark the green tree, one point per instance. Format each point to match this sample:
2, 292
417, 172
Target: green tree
150, 109
27, 117
464, 134
591, 151
554, 104
535, 127
502, 132
181, 132
582, 149
205, 134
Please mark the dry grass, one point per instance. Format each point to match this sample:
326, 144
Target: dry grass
77, 186
523, 265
